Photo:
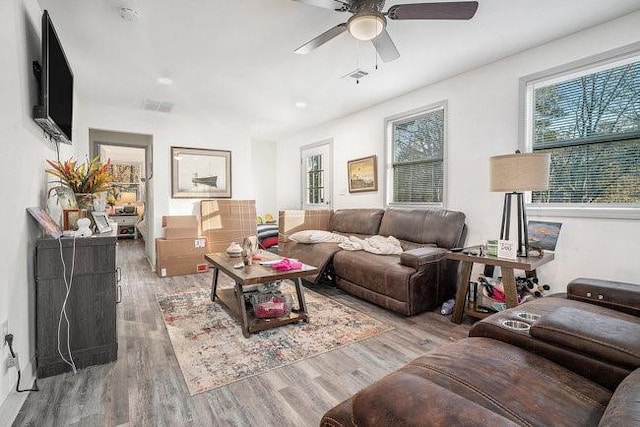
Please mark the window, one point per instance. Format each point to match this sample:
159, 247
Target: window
589, 121
315, 172
416, 147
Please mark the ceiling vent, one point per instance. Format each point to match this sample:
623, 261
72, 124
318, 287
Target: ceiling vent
357, 74
161, 106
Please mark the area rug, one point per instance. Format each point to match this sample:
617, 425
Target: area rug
212, 351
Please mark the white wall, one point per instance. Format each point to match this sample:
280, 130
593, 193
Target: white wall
264, 170
173, 130
483, 107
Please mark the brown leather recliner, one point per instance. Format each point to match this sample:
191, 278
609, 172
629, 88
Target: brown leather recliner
594, 331
483, 381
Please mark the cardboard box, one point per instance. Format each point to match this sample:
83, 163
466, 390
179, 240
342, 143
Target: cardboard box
181, 265
227, 221
180, 227
180, 247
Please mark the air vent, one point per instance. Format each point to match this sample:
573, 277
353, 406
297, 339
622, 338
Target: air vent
162, 106
357, 74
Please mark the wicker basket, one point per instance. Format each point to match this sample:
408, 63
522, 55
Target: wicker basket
269, 305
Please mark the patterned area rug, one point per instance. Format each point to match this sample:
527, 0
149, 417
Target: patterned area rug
212, 351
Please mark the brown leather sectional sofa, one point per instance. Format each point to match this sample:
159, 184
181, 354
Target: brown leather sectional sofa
577, 364
417, 280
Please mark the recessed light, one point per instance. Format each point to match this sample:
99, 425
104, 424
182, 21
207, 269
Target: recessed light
164, 80
301, 104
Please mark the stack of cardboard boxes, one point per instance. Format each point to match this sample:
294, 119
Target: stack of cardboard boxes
227, 221
182, 250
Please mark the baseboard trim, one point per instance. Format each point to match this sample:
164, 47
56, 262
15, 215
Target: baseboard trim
13, 403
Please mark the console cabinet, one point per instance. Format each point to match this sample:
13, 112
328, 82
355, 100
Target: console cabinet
91, 306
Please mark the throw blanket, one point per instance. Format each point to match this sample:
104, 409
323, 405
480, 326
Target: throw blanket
376, 245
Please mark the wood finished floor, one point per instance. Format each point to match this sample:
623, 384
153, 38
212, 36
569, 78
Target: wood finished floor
145, 386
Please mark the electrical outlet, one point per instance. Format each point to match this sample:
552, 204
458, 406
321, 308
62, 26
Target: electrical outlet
5, 331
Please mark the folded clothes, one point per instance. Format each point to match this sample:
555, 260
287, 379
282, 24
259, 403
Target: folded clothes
287, 264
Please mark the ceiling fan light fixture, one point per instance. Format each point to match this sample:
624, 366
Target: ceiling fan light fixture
366, 26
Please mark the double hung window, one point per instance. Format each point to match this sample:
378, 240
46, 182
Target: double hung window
589, 121
416, 151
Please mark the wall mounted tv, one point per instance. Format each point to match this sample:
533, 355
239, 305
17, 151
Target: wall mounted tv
54, 112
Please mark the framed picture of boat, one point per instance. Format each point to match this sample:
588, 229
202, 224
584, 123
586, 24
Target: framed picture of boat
198, 173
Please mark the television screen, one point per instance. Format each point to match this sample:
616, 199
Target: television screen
55, 112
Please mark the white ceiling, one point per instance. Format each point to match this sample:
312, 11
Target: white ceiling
234, 59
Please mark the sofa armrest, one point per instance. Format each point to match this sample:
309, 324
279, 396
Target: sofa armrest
418, 257
620, 296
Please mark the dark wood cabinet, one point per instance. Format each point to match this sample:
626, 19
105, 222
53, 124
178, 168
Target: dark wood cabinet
90, 307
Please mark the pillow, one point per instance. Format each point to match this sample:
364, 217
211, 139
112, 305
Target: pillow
313, 236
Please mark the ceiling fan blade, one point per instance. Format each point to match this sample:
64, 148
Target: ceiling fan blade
385, 47
321, 39
448, 10
327, 4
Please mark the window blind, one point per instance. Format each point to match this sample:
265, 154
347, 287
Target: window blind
417, 158
590, 124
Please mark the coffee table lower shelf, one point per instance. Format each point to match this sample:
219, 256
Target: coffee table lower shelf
229, 298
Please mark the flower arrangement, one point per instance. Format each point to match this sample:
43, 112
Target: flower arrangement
89, 177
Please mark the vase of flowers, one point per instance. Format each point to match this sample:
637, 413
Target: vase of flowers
84, 179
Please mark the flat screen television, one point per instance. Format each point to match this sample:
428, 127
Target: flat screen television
54, 112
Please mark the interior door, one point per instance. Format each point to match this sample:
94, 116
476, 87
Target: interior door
316, 173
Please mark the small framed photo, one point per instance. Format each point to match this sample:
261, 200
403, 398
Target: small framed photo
363, 174
70, 219
200, 174
102, 221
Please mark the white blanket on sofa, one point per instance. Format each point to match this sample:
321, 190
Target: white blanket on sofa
375, 244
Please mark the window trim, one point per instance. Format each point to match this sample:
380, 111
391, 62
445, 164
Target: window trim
388, 142
525, 129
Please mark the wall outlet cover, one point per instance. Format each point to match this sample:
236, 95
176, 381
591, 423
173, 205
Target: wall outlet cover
4, 327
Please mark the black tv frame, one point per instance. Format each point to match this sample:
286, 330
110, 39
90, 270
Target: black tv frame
41, 112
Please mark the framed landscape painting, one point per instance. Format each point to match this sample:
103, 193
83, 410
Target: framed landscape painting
363, 174
197, 173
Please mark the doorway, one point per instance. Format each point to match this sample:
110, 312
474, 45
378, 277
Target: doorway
317, 175
131, 200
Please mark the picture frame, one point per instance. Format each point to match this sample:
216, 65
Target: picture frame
70, 218
362, 174
543, 234
198, 173
49, 226
101, 221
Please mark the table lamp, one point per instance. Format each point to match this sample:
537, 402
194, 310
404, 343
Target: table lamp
513, 174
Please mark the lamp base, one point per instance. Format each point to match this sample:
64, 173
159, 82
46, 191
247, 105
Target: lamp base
523, 240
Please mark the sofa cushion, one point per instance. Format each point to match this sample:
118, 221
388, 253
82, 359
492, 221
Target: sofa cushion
380, 273
624, 407
356, 221
506, 380
442, 227
599, 335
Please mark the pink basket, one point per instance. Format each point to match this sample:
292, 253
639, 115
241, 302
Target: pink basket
268, 305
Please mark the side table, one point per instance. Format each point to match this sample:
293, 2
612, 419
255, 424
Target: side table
528, 264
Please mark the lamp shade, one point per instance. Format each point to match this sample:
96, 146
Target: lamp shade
519, 172
367, 26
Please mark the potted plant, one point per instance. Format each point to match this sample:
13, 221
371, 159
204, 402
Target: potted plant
84, 179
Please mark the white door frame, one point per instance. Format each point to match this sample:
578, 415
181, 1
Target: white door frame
324, 147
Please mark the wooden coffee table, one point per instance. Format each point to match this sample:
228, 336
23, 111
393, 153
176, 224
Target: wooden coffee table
233, 298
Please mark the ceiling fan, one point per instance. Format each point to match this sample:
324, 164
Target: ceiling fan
368, 21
